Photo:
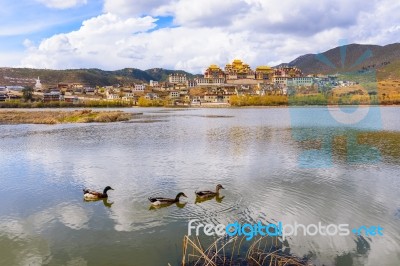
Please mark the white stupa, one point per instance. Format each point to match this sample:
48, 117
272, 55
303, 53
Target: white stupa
38, 85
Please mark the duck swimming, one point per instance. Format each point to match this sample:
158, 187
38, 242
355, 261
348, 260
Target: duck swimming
208, 194
166, 201
94, 195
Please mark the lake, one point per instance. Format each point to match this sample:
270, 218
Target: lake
305, 165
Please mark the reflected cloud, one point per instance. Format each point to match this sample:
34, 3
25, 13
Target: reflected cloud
73, 217
20, 245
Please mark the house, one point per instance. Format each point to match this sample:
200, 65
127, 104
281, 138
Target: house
174, 94
209, 81
300, 81
210, 98
139, 87
112, 96
54, 90
79, 90
3, 97
151, 96
280, 80
77, 86
89, 90
71, 99
129, 96
15, 88
63, 86
196, 100
217, 98
154, 84
51, 96
191, 83
177, 78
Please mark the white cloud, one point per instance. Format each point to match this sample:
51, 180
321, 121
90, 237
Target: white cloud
133, 7
208, 13
62, 4
209, 32
94, 43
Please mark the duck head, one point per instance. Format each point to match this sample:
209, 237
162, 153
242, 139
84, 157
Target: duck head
180, 194
219, 186
107, 188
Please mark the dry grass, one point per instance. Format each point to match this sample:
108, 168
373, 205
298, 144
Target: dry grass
56, 117
231, 252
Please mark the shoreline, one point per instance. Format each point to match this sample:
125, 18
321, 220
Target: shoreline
203, 106
51, 117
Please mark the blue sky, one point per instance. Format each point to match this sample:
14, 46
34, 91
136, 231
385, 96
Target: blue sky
35, 21
184, 34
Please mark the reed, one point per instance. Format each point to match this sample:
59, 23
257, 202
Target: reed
56, 117
235, 251
61, 104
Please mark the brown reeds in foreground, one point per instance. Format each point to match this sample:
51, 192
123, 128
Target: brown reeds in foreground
236, 251
55, 117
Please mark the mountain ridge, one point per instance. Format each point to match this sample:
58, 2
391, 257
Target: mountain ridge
89, 76
384, 59
356, 57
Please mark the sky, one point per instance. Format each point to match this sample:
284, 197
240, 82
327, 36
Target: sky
185, 34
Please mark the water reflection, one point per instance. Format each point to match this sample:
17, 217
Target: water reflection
253, 151
105, 201
177, 204
218, 198
73, 216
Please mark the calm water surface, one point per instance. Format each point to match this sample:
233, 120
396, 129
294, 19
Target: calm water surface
263, 157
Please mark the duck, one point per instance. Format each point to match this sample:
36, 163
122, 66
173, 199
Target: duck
208, 194
166, 201
94, 195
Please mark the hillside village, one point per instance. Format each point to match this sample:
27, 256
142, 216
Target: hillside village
215, 87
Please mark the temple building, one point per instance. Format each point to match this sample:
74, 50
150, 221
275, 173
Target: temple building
265, 73
238, 70
238, 73
213, 76
213, 72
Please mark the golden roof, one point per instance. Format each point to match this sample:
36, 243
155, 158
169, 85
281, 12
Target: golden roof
213, 66
264, 68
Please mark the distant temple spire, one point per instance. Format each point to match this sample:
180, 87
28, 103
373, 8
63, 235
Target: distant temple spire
38, 85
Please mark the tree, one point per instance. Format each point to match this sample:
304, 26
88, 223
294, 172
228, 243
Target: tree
27, 94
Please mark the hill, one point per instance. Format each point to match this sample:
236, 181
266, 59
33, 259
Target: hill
357, 57
26, 76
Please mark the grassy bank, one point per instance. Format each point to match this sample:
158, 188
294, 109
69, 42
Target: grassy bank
56, 117
60, 104
314, 99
